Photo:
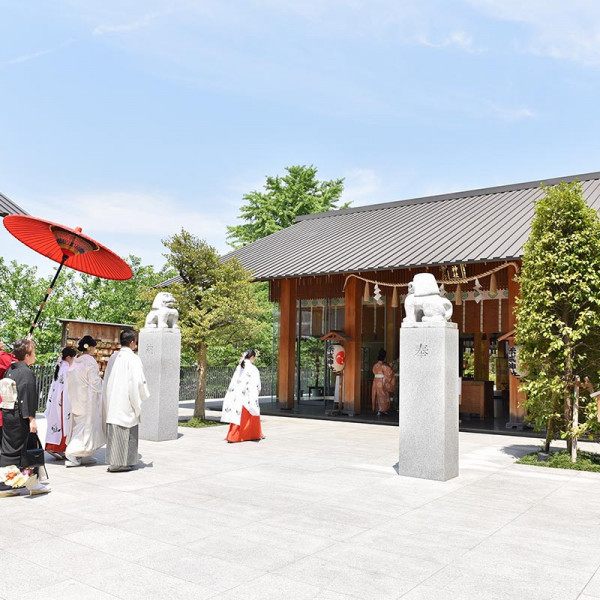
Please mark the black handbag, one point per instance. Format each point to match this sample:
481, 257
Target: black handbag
34, 453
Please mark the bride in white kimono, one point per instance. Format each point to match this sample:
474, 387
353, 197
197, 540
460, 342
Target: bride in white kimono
84, 387
241, 408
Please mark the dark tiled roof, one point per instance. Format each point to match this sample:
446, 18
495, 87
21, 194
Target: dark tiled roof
481, 225
8, 207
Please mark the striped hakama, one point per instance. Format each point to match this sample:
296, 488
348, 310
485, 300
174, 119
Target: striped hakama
122, 445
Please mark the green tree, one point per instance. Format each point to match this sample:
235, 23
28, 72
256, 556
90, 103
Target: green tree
262, 340
285, 198
75, 296
120, 301
558, 312
215, 299
21, 293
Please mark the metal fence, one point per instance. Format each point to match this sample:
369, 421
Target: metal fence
44, 375
217, 382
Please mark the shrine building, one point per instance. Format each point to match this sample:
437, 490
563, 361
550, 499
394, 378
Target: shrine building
348, 270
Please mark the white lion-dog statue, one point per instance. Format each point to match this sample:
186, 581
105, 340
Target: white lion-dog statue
423, 302
163, 313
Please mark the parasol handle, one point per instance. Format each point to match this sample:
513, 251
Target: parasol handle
48, 292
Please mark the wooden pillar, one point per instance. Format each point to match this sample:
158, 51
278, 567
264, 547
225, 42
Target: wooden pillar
390, 337
481, 349
517, 412
287, 344
353, 328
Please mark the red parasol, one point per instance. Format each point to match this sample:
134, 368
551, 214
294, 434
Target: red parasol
68, 247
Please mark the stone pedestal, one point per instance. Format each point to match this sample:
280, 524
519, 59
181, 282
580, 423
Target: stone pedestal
160, 351
429, 400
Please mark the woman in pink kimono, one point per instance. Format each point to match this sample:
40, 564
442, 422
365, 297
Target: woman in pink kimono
384, 385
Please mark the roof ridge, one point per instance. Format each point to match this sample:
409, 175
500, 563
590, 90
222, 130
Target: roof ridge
452, 196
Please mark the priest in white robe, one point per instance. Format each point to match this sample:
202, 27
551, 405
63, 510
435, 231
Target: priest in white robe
125, 390
84, 387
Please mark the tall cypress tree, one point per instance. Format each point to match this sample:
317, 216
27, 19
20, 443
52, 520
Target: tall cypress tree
558, 312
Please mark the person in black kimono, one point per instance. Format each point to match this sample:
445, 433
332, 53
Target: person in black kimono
18, 422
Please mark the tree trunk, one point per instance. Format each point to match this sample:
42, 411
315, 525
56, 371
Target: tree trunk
200, 403
549, 435
575, 420
567, 397
550, 430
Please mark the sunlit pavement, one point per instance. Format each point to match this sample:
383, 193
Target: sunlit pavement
316, 510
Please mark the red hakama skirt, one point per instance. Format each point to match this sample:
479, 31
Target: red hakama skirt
248, 429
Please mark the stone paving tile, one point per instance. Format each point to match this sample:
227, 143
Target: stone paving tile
320, 527
431, 593
280, 537
491, 566
243, 550
100, 512
71, 590
17, 530
179, 494
593, 586
580, 558
331, 595
211, 487
133, 582
206, 571
434, 546
345, 579
272, 587
166, 528
56, 522
56, 552
279, 497
116, 542
315, 510
354, 555
341, 512
27, 577
454, 581
237, 507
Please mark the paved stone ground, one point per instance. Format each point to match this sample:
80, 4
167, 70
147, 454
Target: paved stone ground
315, 511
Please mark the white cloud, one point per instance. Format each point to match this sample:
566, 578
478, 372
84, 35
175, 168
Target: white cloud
130, 222
563, 29
511, 114
129, 213
33, 55
458, 39
144, 21
362, 186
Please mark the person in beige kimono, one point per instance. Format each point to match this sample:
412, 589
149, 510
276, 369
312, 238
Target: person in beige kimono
384, 385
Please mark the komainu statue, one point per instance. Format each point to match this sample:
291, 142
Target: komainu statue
424, 303
163, 313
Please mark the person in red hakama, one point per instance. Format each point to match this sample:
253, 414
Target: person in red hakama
58, 407
383, 385
241, 408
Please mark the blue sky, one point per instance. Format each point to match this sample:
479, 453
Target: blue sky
133, 118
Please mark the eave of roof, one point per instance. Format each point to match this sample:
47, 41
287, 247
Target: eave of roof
8, 207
